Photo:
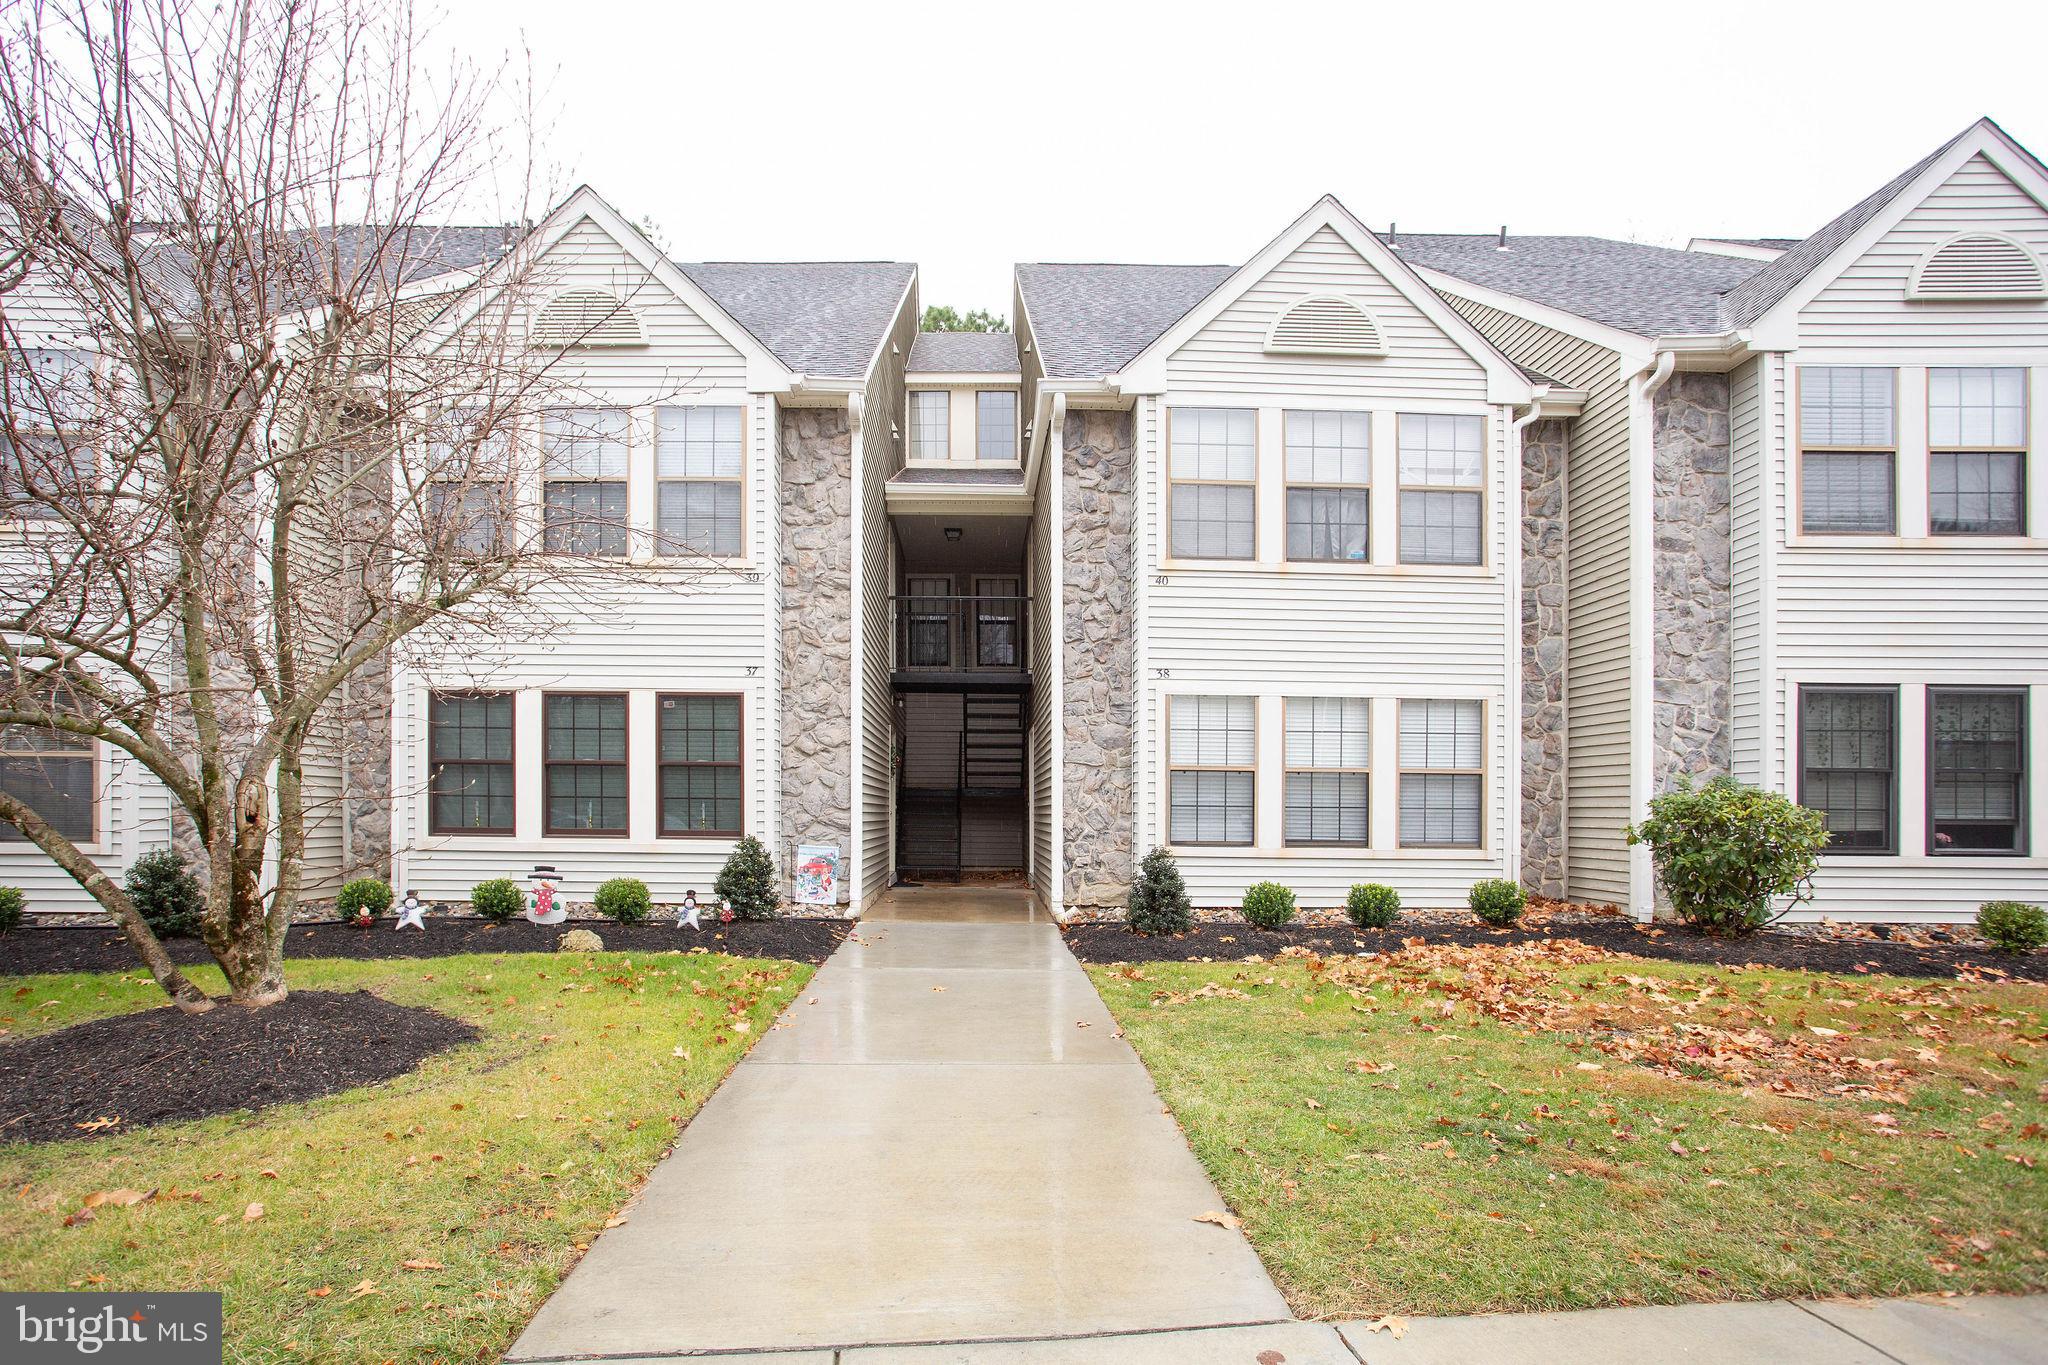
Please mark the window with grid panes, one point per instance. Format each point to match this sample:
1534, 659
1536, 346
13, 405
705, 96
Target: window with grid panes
995, 424
468, 490
584, 500
1977, 769
49, 460
1212, 750
1212, 472
1977, 451
585, 763
699, 468
1442, 755
1848, 742
469, 745
1443, 481
53, 774
931, 423
1328, 756
1848, 449
1329, 465
698, 751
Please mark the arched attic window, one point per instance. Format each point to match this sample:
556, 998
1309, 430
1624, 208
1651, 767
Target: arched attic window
586, 317
1978, 265
1326, 324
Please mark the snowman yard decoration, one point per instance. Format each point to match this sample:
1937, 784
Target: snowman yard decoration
541, 905
686, 916
411, 914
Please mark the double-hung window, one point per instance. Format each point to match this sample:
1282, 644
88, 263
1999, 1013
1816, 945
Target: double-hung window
1213, 471
699, 758
1442, 773
46, 460
699, 464
1849, 765
468, 484
584, 507
995, 424
1977, 451
1443, 481
52, 773
1977, 769
1212, 758
931, 424
585, 760
1848, 450
469, 745
1328, 753
1329, 463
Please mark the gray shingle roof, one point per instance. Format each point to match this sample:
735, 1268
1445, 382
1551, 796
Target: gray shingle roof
820, 318
965, 474
963, 353
1648, 290
1092, 319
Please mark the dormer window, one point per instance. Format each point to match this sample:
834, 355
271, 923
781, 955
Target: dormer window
586, 317
931, 419
1326, 324
1978, 265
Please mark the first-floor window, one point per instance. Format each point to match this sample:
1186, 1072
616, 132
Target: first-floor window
469, 744
699, 758
1443, 480
1212, 754
585, 760
1442, 760
50, 772
1977, 769
1328, 752
584, 500
1848, 743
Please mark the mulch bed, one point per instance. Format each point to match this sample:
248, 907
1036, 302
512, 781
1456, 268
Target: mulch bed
1115, 943
96, 948
163, 1066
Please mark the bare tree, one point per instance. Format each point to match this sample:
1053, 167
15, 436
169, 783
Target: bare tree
245, 451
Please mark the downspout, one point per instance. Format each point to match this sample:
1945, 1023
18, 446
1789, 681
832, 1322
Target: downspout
1642, 625
1053, 686
857, 716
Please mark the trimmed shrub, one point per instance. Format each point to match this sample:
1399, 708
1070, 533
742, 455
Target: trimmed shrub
624, 899
747, 881
364, 895
579, 941
1159, 901
166, 894
2013, 926
1724, 850
1267, 905
498, 899
1372, 906
13, 908
1497, 900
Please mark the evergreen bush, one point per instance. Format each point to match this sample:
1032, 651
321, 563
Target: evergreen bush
624, 899
1267, 905
747, 881
1372, 906
498, 899
166, 894
1724, 850
1159, 900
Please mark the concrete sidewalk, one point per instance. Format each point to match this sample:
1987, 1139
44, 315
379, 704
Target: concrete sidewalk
943, 1140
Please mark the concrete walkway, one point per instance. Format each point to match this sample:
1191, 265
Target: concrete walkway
943, 1141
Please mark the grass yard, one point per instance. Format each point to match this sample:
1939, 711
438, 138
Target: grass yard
423, 1219
1458, 1130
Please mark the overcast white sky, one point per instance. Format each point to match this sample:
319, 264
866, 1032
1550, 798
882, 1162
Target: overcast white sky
966, 138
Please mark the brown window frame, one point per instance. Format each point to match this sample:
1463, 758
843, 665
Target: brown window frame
547, 765
662, 765
434, 825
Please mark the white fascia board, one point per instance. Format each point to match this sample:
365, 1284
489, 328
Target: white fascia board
1745, 251
1777, 328
1146, 373
960, 379
1634, 348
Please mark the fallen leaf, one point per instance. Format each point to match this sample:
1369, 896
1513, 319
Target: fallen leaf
322, 1292
1395, 1327
1221, 1220
421, 1265
100, 1124
618, 1221
252, 1213
364, 1289
120, 1198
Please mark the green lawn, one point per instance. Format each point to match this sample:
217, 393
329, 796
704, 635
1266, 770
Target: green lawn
1456, 1131
490, 1168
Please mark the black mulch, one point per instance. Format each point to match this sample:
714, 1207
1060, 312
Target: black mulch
1115, 943
161, 1066
99, 949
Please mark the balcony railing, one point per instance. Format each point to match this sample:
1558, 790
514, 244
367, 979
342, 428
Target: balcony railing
960, 634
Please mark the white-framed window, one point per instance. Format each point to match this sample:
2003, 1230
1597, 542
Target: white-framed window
931, 424
468, 475
1329, 501
584, 499
1443, 482
1848, 449
47, 461
1212, 473
1212, 757
1327, 752
700, 461
1443, 760
1977, 451
995, 424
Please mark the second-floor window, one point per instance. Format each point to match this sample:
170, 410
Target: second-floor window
699, 466
1977, 451
1329, 464
584, 499
931, 424
995, 425
468, 485
1848, 449
46, 463
1213, 470
1443, 478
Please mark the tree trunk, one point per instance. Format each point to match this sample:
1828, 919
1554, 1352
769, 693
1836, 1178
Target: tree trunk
247, 941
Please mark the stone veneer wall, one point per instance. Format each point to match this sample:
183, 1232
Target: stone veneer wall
1545, 446
817, 629
366, 783
1098, 656
1690, 675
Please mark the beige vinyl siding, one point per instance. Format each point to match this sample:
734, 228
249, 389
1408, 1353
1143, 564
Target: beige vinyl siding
1228, 355
1865, 307
881, 401
1598, 662
682, 350
134, 818
1044, 731
1748, 489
